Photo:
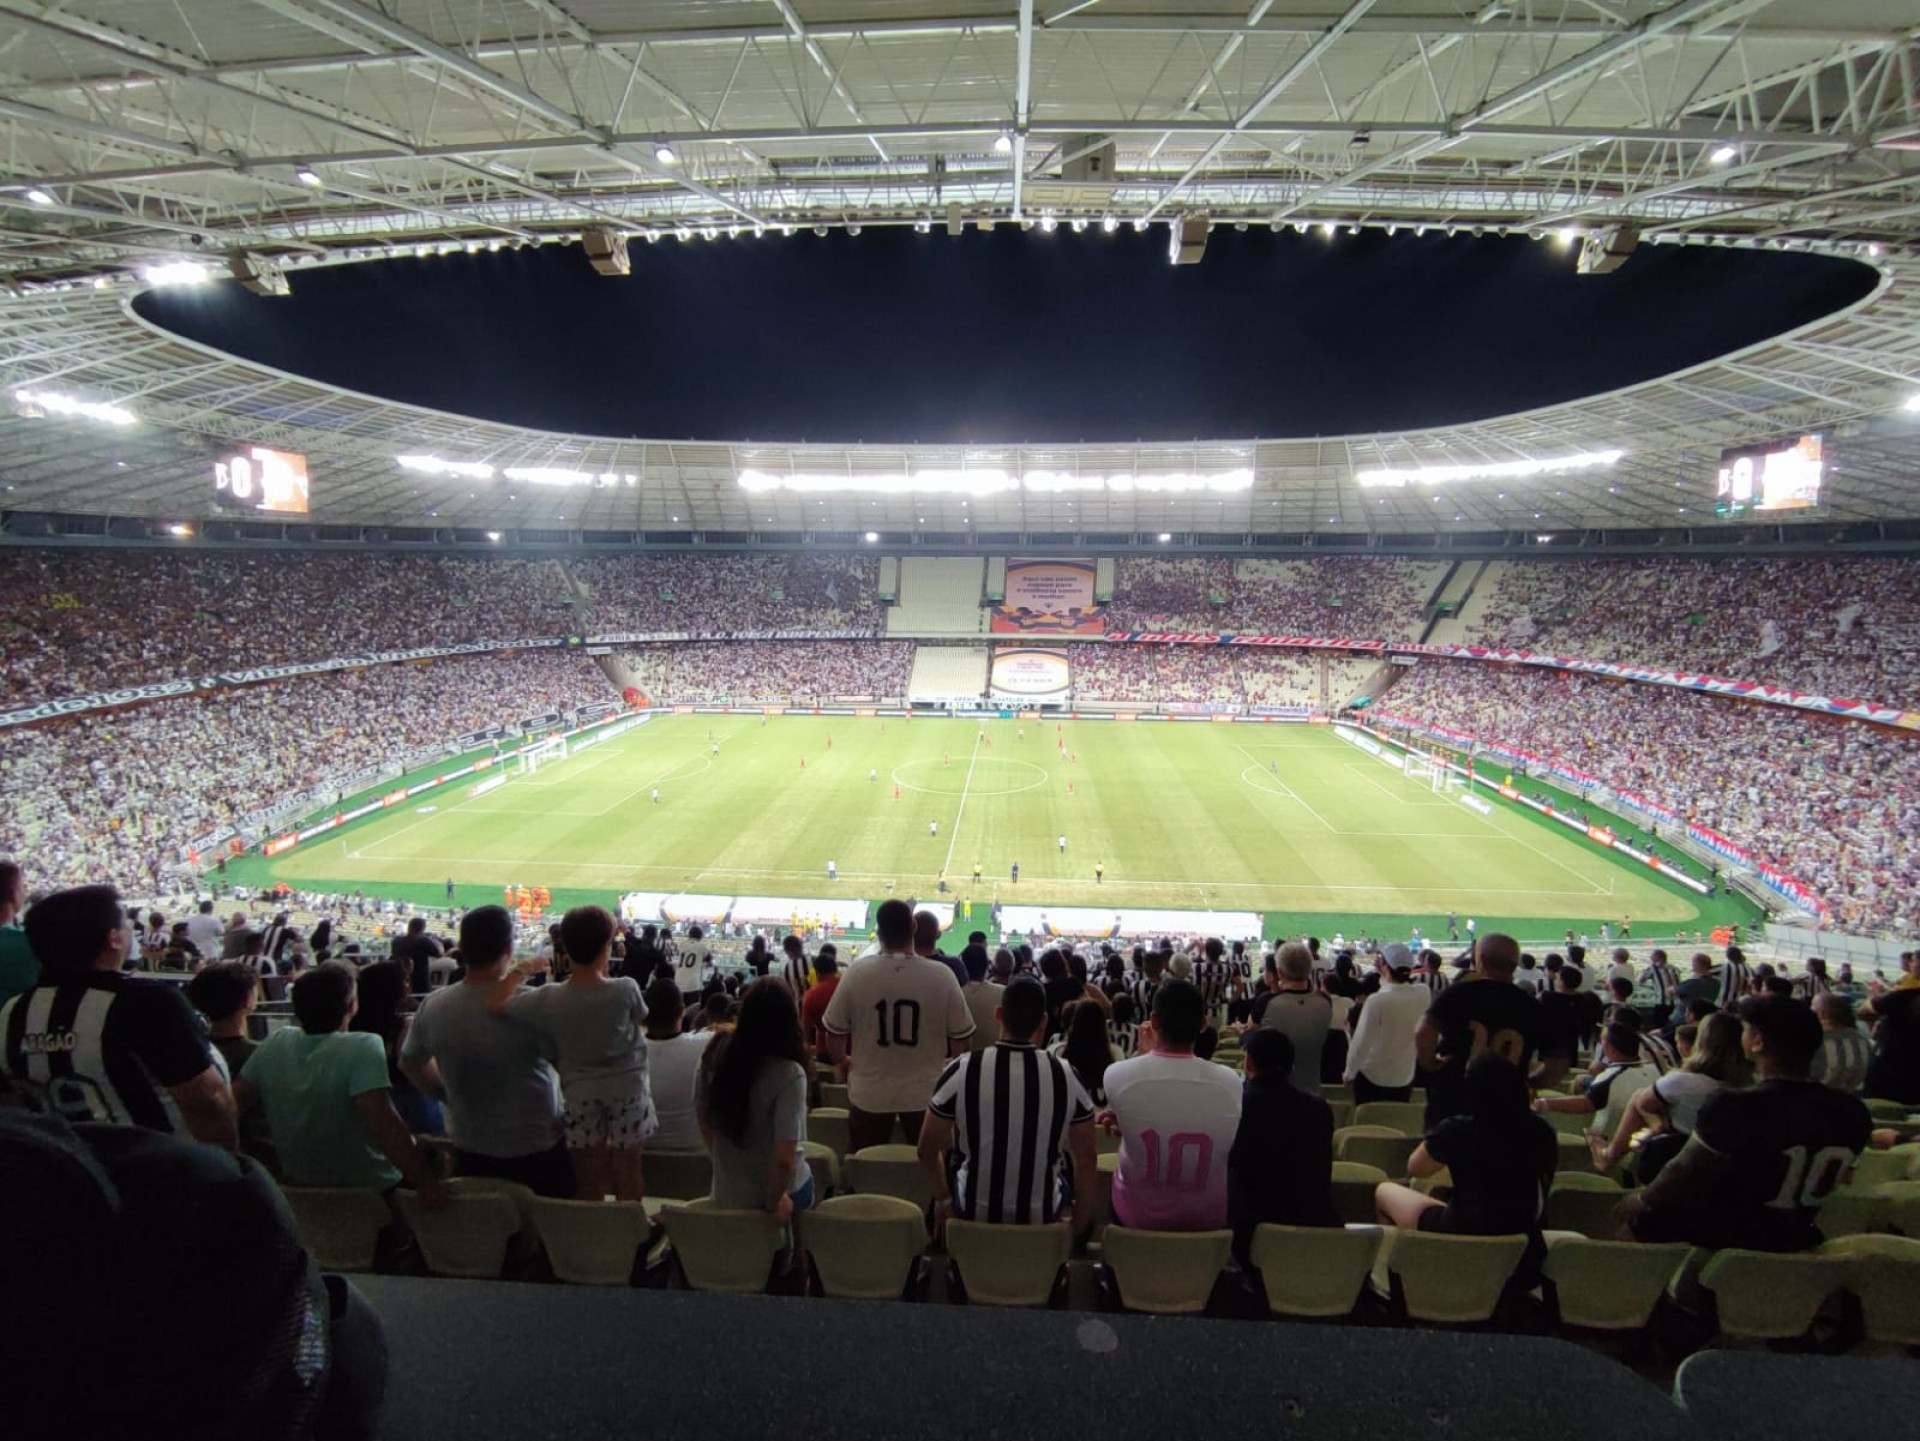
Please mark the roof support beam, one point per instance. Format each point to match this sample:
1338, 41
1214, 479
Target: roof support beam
557, 116
1022, 105
1544, 83
1307, 60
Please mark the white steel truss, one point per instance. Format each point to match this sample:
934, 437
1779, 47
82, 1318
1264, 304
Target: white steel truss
139, 131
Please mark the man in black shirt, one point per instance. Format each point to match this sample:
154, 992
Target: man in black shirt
1894, 1072
1484, 1011
1760, 1161
1280, 1169
1560, 1018
416, 951
91, 1044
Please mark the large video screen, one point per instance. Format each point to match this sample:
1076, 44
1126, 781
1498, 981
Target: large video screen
255, 478
1782, 476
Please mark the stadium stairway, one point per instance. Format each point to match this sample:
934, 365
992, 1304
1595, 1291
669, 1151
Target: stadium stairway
1462, 627
513, 1367
939, 595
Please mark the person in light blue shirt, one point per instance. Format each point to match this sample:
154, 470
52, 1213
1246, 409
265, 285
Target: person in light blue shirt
325, 1092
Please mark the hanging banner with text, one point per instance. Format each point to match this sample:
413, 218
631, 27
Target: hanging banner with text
1049, 597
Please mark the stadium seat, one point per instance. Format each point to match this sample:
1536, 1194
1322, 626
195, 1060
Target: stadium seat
1379, 1146
1575, 1154
1569, 1123
1103, 1202
1402, 1116
1887, 1282
1337, 1092
1900, 1201
678, 1175
1852, 1211
833, 1096
1583, 1202
890, 1171
1167, 1272
1889, 1110
1008, 1265
1766, 1297
1314, 1271
1449, 1280
340, 1226
865, 1247
1877, 1168
591, 1243
1105, 1142
471, 1237
824, 1162
1353, 1187
828, 1126
1342, 1111
1610, 1285
723, 1250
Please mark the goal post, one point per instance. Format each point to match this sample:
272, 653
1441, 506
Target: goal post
544, 753
1419, 766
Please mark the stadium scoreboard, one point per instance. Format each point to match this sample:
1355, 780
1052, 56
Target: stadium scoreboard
1780, 476
256, 478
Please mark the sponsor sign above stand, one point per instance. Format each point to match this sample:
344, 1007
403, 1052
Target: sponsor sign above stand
667, 637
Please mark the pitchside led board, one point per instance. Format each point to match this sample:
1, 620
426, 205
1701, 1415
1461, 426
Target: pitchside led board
255, 478
1050, 597
1782, 476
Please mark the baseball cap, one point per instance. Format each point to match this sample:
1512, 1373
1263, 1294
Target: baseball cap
1398, 956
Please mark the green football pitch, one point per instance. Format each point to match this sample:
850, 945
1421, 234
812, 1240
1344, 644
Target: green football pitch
1282, 819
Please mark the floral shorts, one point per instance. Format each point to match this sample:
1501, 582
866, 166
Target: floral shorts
609, 1123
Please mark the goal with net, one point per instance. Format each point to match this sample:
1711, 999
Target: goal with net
545, 753
1419, 766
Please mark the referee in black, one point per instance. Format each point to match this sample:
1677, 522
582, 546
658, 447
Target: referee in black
92, 1044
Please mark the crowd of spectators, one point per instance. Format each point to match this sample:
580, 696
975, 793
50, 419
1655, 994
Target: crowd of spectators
717, 596
1204, 675
1835, 804
120, 793
78, 621
565, 1071
1844, 627
1367, 597
782, 672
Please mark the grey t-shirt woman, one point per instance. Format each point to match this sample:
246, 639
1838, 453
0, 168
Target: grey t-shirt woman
596, 1034
776, 1111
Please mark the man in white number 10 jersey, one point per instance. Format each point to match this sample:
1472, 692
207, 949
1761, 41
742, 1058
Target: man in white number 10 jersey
895, 1018
1177, 1116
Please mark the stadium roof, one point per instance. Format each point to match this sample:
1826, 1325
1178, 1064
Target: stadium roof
300, 132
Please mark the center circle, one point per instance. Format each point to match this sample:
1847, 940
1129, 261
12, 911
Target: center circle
990, 777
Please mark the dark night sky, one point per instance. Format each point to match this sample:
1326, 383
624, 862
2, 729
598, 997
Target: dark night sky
892, 336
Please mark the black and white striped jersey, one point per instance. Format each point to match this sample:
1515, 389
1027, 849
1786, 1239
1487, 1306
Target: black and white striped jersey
1010, 1106
104, 1047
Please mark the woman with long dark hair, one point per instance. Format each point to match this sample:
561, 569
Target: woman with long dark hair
384, 993
1086, 1049
751, 1098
